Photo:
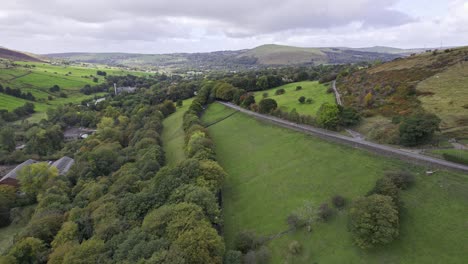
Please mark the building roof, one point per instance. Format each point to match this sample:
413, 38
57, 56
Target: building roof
63, 164
14, 172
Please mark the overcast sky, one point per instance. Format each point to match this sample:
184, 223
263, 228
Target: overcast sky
164, 26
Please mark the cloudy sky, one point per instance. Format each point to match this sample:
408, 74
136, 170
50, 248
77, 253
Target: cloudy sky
164, 26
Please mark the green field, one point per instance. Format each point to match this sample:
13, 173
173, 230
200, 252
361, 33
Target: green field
37, 78
173, 135
289, 100
456, 152
273, 171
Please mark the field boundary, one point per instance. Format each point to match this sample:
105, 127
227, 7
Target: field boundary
224, 118
354, 142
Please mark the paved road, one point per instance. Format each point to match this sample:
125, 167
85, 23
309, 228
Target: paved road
355, 142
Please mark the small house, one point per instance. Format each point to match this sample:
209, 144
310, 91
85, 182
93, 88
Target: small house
63, 164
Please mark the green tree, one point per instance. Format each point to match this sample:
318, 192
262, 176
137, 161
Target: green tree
33, 177
374, 221
29, 250
7, 201
262, 82
418, 128
267, 105
302, 99
7, 138
328, 116
90, 251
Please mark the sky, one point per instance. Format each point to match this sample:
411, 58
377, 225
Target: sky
167, 26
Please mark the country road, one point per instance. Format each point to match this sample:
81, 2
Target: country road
355, 142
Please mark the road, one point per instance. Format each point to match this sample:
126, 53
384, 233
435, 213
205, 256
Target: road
355, 142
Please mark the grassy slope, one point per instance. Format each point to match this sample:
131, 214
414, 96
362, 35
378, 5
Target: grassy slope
450, 95
39, 79
289, 100
285, 168
173, 135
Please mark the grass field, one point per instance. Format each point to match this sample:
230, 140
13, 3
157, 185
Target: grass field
37, 78
173, 135
289, 100
273, 171
456, 152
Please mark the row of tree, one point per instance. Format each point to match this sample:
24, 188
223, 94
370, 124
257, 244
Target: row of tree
16, 92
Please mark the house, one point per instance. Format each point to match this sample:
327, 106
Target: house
63, 164
126, 89
10, 178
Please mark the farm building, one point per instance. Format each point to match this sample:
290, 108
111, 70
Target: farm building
119, 90
63, 164
74, 133
10, 178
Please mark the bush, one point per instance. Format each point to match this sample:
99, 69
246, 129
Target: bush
263, 255
309, 100
402, 179
385, 186
301, 99
280, 91
374, 221
246, 241
418, 128
324, 212
328, 116
298, 88
233, 257
294, 221
295, 248
267, 105
265, 95
338, 201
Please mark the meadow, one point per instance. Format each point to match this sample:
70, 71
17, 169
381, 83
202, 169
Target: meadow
173, 134
273, 171
289, 100
37, 78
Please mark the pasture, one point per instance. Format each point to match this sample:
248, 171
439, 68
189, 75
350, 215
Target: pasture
289, 100
173, 135
273, 171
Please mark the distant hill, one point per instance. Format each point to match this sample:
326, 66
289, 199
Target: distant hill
434, 81
265, 55
17, 55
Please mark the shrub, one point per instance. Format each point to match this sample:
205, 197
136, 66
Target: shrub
385, 186
267, 105
301, 99
418, 128
280, 91
324, 212
246, 241
309, 100
298, 88
233, 257
295, 248
263, 255
265, 95
402, 179
328, 116
338, 201
294, 221
179, 103
374, 221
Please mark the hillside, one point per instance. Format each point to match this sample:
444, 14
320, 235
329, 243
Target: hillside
431, 81
273, 176
17, 56
264, 55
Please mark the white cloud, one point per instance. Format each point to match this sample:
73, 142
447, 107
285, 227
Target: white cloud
155, 26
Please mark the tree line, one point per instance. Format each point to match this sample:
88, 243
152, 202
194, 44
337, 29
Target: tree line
16, 92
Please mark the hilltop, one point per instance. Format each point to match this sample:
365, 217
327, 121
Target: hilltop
17, 55
265, 55
434, 81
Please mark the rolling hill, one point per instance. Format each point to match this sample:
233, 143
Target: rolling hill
265, 55
432, 81
17, 55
